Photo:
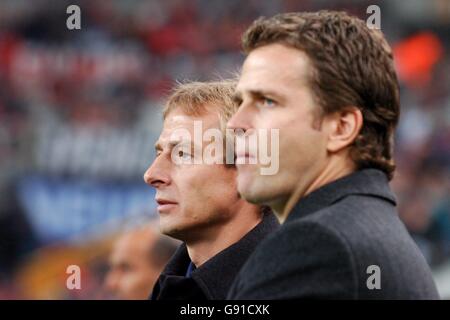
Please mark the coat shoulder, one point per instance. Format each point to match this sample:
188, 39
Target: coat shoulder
302, 259
332, 254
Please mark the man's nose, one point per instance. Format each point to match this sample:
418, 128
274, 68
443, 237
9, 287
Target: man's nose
157, 174
240, 121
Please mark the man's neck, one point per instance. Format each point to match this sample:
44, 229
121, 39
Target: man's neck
331, 173
222, 236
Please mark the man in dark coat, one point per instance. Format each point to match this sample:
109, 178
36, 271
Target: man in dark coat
212, 280
327, 83
197, 196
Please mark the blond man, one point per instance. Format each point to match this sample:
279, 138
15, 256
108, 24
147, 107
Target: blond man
198, 201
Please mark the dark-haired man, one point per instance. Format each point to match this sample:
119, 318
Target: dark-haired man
327, 82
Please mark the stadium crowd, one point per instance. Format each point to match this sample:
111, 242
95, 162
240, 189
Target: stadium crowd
81, 109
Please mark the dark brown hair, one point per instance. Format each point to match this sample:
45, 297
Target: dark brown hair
352, 66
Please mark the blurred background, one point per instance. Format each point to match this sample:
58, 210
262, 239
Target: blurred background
80, 112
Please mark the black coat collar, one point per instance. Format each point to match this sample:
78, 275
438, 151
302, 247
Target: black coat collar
213, 278
369, 182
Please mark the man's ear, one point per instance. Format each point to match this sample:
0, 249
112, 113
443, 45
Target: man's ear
343, 127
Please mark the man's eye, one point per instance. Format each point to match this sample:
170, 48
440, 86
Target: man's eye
184, 155
266, 103
269, 102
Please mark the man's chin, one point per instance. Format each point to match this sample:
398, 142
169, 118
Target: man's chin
258, 191
173, 230
249, 191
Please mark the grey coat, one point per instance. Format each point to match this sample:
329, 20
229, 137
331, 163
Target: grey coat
342, 241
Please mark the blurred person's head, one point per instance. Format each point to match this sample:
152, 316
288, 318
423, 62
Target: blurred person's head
136, 261
327, 82
198, 201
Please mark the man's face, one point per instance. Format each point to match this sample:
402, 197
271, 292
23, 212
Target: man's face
273, 93
132, 274
192, 198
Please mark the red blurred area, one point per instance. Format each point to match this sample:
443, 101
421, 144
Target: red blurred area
416, 57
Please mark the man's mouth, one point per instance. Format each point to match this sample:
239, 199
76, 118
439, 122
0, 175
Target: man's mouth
244, 158
165, 205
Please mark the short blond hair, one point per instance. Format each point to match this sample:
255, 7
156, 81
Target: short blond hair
198, 98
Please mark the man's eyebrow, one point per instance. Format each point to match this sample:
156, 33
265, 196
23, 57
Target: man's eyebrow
170, 145
182, 142
158, 146
260, 93
256, 94
237, 97
173, 143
